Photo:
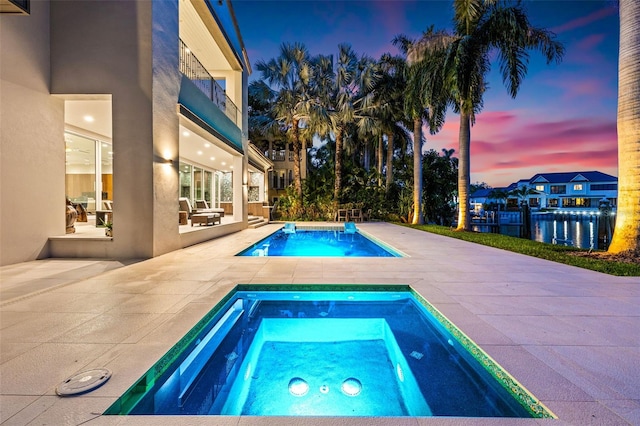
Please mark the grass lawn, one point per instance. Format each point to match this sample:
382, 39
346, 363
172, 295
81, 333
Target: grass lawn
596, 261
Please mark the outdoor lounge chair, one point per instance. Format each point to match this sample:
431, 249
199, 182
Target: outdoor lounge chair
198, 216
203, 207
185, 205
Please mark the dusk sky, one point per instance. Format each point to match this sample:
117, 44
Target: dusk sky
563, 119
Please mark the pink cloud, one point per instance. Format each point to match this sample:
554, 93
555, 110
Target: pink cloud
590, 42
585, 20
508, 146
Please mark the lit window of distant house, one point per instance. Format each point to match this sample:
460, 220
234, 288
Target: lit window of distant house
539, 187
577, 187
553, 202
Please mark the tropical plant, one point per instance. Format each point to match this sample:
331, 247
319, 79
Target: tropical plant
291, 75
439, 173
352, 100
626, 235
107, 224
481, 27
501, 195
522, 192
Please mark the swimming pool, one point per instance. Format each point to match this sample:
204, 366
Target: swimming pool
325, 241
327, 350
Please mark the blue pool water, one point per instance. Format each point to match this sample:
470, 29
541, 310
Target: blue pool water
327, 353
318, 243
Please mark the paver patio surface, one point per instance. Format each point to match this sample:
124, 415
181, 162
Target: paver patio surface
570, 336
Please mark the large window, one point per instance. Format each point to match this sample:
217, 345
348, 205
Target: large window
576, 202
198, 183
558, 189
185, 180
226, 187
89, 171
256, 186
278, 179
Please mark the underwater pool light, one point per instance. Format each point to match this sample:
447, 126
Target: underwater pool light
351, 387
298, 387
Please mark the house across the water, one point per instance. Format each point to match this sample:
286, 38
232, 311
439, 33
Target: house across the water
568, 191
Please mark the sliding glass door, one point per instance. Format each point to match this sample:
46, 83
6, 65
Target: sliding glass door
89, 171
198, 183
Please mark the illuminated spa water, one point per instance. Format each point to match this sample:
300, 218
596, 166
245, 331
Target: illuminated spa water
327, 353
319, 243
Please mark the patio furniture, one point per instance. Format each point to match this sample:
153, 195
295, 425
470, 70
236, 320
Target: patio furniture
356, 215
342, 215
205, 218
182, 217
203, 207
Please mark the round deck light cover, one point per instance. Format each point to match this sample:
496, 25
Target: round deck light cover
83, 382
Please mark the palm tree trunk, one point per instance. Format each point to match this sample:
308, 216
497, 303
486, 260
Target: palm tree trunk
417, 172
337, 188
297, 178
379, 159
626, 235
389, 160
366, 160
464, 143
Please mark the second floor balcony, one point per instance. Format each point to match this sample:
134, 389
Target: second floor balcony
193, 69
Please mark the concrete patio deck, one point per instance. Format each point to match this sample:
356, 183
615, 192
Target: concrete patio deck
570, 336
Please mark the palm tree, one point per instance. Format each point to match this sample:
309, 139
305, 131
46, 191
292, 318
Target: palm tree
389, 95
626, 235
423, 99
500, 195
522, 192
482, 27
291, 74
352, 102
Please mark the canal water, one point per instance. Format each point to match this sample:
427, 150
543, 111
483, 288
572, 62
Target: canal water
586, 231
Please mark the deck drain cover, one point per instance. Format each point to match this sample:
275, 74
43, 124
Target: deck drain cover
85, 381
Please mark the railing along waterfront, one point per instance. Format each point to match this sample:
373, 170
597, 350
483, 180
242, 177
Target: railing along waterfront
191, 67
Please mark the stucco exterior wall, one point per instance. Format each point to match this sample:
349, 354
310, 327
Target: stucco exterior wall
166, 88
117, 48
32, 156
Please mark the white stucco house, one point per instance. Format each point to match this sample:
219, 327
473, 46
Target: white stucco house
122, 107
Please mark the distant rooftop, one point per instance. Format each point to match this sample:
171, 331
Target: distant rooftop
592, 176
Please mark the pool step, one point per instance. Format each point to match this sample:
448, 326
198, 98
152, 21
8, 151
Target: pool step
256, 222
